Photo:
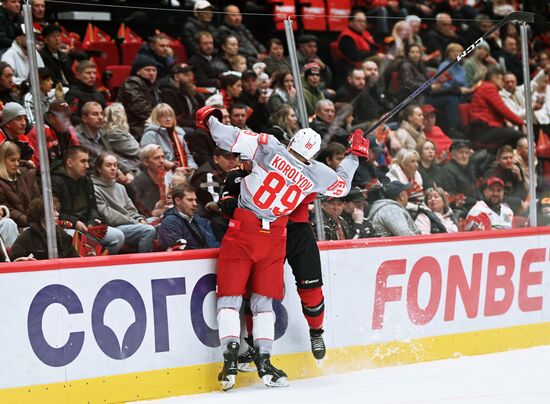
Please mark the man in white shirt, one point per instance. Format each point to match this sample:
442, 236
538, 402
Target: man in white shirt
490, 213
18, 58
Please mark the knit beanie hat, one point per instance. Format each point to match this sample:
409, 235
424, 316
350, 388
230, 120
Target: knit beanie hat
11, 111
142, 61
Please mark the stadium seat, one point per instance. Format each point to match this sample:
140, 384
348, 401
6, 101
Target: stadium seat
108, 55
338, 12
119, 74
313, 15
129, 51
464, 112
282, 9
180, 53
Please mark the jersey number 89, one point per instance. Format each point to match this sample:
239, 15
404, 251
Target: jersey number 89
276, 196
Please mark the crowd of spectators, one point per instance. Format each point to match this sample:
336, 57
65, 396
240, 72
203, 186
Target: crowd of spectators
130, 171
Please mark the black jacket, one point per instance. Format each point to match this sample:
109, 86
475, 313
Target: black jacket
71, 192
78, 95
59, 67
191, 28
34, 241
457, 179
164, 64
248, 45
7, 29
200, 145
183, 102
205, 74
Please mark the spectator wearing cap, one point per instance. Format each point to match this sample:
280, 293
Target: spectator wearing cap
179, 91
201, 20
388, 216
307, 53
201, 61
490, 213
59, 133
255, 99
336, 228
13, 125
158, 49
355, 43
311, 86
490, 116
139, 93
276, 60
434, 133
83, 90
57, 62
47, 96
7, 85
516, 187
232, 25
10, 18
458, 178
209, 178
438, 216
354, 213
18, 58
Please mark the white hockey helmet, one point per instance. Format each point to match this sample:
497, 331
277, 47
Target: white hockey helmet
306, 142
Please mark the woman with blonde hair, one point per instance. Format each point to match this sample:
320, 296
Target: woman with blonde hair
161, 129
438, 218
283, 123
117, 133
405, 170
18, 185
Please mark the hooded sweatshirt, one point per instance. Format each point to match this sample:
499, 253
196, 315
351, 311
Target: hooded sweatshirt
389, 218
114, 204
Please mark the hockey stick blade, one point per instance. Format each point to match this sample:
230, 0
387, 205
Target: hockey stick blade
521, 16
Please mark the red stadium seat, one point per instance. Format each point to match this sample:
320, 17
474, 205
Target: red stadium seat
464, 112
180, 53
119, 74
313, 15
108, 56
338, 12
129, 51
282, 9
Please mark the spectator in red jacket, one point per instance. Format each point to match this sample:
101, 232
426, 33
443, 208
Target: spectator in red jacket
491, 118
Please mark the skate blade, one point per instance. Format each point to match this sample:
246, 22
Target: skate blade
281, 382
246, 367
229, 383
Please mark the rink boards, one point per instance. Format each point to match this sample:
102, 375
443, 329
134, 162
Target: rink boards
115, 329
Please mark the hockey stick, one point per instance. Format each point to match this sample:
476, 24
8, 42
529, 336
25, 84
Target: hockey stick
515, 16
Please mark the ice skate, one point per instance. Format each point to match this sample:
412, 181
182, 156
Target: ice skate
318, 348
229, 371
246, 360
271, 376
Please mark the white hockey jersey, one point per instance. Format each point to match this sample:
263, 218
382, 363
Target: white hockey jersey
279, 181
482, 217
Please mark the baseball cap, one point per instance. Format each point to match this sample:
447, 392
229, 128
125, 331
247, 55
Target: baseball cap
306, 38
50, 29
394, 188
427, 109
181, 68
489, 182
312, 68
59, 107
11, 111
459, 144
202, 5
218, 151
355, 194
248, 73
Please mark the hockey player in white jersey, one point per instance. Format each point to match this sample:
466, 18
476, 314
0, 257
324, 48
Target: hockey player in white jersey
253, 249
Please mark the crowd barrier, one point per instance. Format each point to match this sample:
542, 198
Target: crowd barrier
134, 327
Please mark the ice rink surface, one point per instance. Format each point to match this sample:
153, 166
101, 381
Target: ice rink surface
513, 377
